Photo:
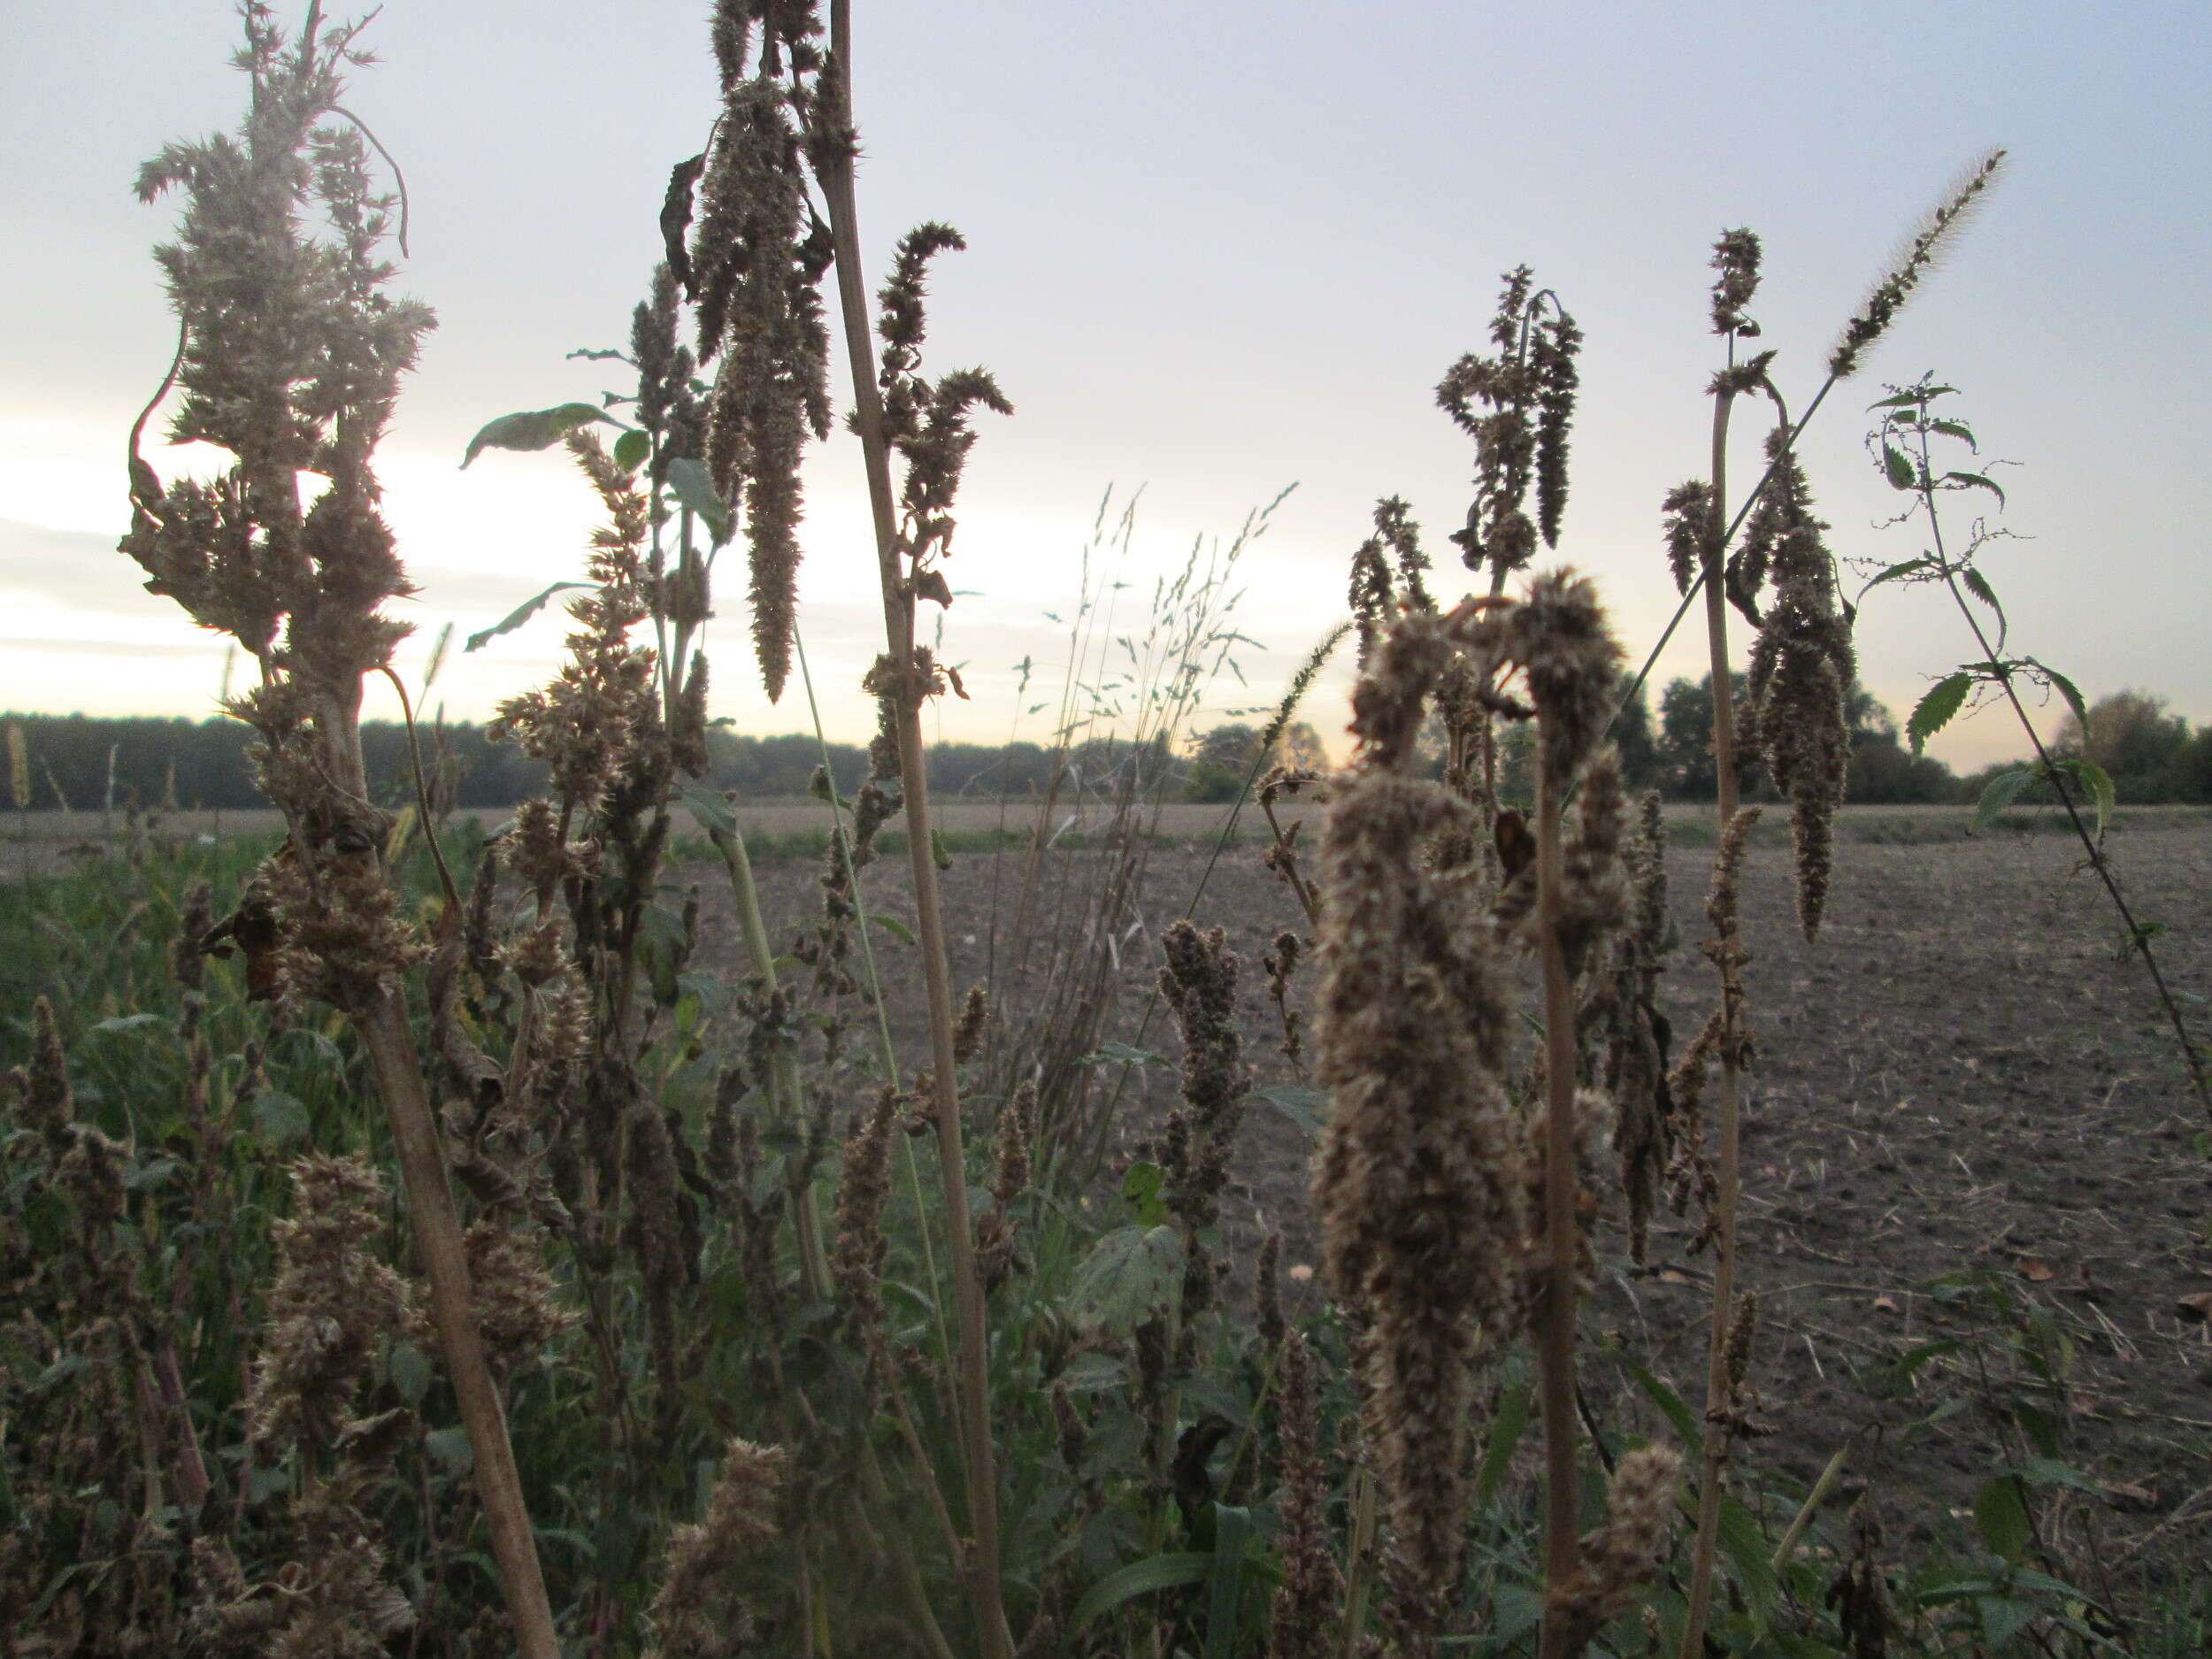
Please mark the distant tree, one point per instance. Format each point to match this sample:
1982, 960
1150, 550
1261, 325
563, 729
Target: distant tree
1685, 741
2140, 745
1883, 771
1300, 748
1218, 762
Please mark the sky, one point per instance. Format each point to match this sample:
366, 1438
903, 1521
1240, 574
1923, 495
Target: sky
1215, 250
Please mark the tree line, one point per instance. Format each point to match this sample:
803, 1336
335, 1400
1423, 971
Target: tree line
87, 762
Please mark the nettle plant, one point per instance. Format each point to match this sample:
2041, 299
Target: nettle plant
1913, 441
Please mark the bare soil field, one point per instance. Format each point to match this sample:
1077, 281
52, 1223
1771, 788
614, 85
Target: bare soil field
1958, 1077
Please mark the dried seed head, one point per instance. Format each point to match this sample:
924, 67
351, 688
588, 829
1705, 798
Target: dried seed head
1927, 244
701, 1611
1267, 1295
1802, 668
1302, 1617
1736, 1353
1622, 1556
331, 1308
1421, 1179
519, 1309
1687, 515
44, 1103
1736, 256
975, 1014
863, 1187
1560, 636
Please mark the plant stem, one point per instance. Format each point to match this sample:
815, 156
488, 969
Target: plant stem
1556, 1326
2090, 847
1713, 1459
898, 621
380, 1017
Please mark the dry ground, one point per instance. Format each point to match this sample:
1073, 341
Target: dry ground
1958, 1076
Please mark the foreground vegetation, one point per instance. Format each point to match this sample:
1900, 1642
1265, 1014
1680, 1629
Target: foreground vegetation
415, 1238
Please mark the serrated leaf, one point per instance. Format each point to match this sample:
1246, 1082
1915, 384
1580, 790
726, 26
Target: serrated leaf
1954, 429
1307, 1107
1933, 712
1127, 1276
451, 1450
516, 618
2048, 1472
1977, 480
2066, 689
631, 449
1900, 470
1999, 793
1747, 1550
1902, 400
896, 928
146, 1177
688, 480
1141, 1577
1977, 585
2001, 1517
1669, 1403
532, 429
1896, 571
2004, 1616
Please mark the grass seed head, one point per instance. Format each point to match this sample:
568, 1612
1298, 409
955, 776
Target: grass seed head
1923, 250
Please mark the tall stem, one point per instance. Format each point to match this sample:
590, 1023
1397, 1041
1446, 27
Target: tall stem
1555, 1331
1713, 1461
381, 1020
2090, 845
898, 626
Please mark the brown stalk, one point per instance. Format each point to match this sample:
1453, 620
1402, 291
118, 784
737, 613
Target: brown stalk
973, 1377
1556, 1316
1713, 1458
380, 1017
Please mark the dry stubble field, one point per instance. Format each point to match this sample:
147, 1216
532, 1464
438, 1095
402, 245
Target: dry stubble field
1958, 1076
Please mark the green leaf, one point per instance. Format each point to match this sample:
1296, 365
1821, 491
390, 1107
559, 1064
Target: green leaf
1943, 700
1954, 429
532, 429
1977, 585
1977, 480
1232, 1535
280, 1117
1902, 475
2001, 1517
1123, 1054
1897, 572
1140, 1191
1749, 1553
1141, 1577
2101, 790
1999, 793
688, 480
1685, 1421
2048, 1472
1902, 400
410, 1372
1308, 1108
631, 449
2066, 689
1126, 1277
451, 1450
127, 1022
714, 813
2004, 1616
1505, 1428
937, 852
516, 618
892, 925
